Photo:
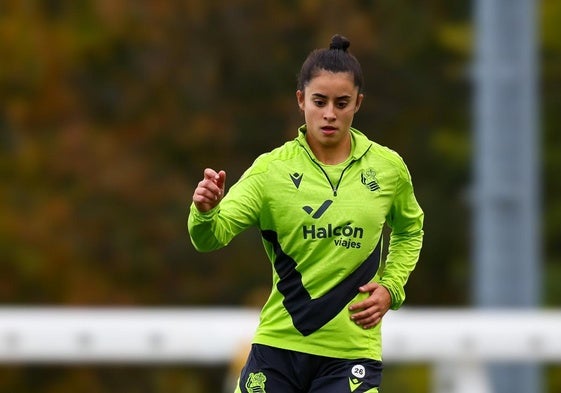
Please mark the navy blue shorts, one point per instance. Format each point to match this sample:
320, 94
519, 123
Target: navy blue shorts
275, 370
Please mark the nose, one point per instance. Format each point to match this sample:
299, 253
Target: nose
329, 112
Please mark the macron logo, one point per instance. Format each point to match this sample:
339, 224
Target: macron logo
296, 178
319, 212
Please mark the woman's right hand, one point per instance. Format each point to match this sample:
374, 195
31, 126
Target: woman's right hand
210, 190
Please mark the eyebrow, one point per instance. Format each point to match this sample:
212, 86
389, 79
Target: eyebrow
318, 95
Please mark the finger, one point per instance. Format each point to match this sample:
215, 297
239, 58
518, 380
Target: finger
217, 179
221, 180
370, 287
210, 186
362, 305
205, 195
372, 324
368, 321
366, 313
210, 174
366, 288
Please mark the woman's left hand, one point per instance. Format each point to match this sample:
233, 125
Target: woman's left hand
369, 312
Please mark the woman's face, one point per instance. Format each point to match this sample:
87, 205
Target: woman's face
329, 102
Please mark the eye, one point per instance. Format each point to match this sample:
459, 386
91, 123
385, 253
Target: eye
319, 103
342, 104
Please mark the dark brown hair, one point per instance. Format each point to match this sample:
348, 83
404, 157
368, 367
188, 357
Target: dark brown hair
336, 58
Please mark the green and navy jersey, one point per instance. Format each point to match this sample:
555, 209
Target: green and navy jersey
321, 227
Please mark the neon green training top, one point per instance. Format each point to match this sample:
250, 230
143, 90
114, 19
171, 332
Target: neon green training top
321, 227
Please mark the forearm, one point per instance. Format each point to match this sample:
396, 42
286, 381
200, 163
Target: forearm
404, 251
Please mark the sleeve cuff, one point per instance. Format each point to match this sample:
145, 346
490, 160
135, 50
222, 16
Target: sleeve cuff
204, 216
398, 297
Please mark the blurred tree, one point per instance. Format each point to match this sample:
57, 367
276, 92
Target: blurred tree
110, 111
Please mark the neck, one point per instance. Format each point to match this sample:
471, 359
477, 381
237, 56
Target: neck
333, 155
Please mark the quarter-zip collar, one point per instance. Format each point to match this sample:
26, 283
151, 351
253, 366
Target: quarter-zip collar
359, 146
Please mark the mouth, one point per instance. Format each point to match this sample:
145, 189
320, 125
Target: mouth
328, 130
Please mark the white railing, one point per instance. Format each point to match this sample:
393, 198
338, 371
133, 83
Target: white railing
457, 341
136, 335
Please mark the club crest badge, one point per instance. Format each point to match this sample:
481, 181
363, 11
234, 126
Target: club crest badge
368, 178
256, 383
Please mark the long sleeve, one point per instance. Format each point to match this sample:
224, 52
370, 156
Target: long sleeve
406, 222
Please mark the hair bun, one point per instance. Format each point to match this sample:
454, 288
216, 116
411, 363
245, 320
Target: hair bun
338, 42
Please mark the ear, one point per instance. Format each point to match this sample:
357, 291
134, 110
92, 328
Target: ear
359, 99
300, 98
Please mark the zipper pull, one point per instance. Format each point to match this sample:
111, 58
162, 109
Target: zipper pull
334, 192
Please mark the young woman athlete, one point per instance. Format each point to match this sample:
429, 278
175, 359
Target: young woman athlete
320, 202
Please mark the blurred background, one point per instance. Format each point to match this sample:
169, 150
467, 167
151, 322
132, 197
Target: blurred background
110, 110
